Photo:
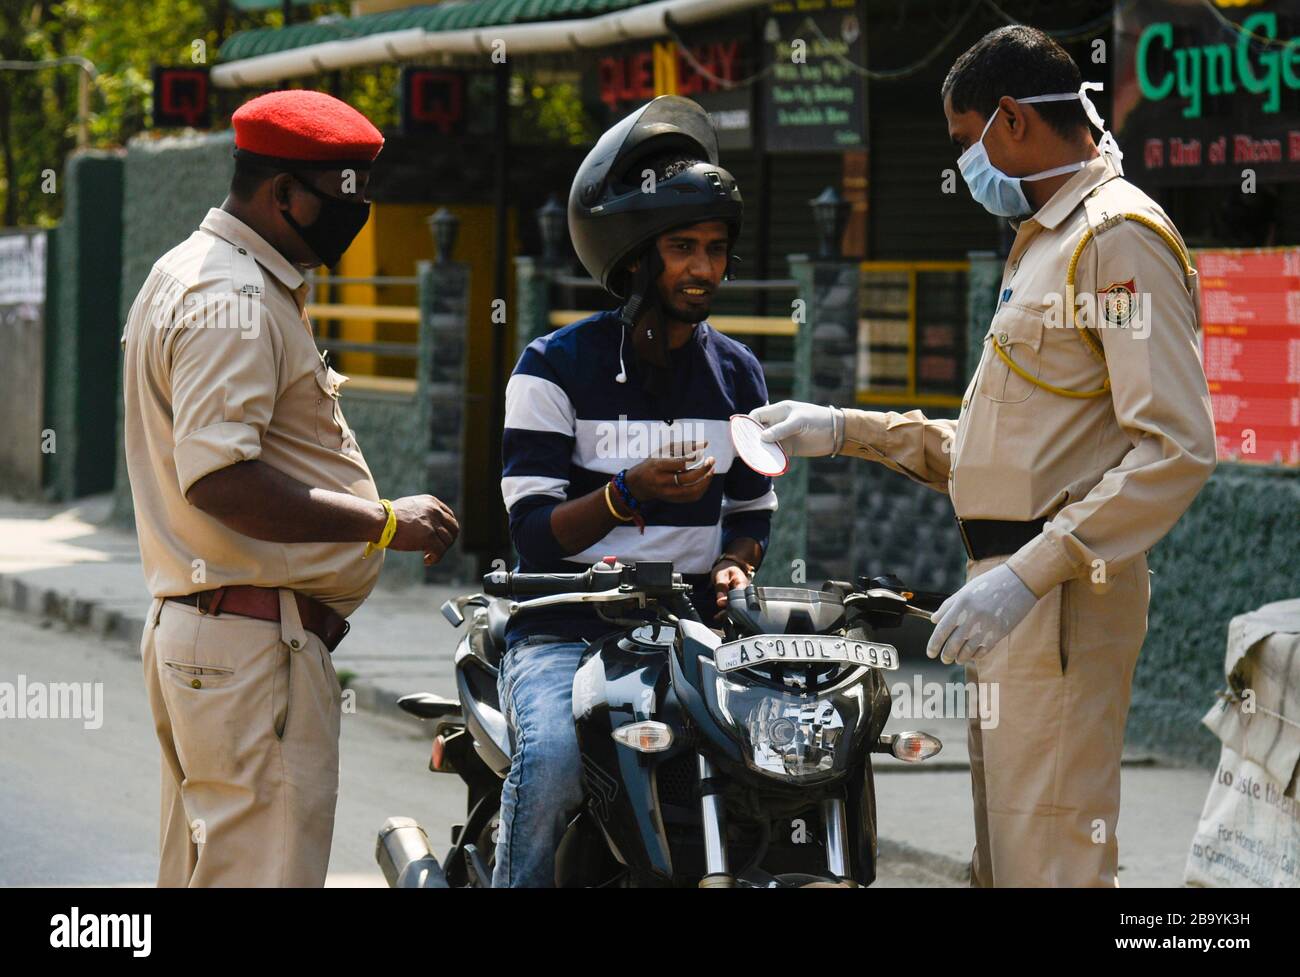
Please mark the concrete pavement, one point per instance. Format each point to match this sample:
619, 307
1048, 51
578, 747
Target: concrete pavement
80, 802
64, 564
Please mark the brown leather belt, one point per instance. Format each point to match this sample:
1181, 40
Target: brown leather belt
985, 538
263, 603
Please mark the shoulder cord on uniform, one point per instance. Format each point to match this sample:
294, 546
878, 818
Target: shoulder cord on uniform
1090, 341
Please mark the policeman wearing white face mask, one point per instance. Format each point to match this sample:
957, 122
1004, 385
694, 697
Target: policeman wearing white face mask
1082, 438
1002, 195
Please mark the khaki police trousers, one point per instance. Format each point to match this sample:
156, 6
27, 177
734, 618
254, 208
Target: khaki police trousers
1046, 777
247, 714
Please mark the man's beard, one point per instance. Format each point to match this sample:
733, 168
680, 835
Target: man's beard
685, 313
691, 318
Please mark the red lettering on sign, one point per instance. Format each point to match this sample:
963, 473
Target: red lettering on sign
626, 79
1248, 150
184, 95
630, 77
728, 56
1251, 352
606, 69
1184, 153
641, 81
437, 98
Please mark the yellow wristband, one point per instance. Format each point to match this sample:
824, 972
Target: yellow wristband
612, 511
390, 528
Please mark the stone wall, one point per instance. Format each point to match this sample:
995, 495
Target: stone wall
388, 430
904, 528
444, 321
87, 327
1237, 547
168, 186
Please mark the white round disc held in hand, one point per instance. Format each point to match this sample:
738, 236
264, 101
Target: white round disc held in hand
692, 452
764, 457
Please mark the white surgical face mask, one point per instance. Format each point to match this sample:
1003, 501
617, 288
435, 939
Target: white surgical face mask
1001, 194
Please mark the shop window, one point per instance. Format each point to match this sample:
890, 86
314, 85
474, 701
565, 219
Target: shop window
912, 333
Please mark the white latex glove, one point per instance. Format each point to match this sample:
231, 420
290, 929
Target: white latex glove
803, 430
970, 622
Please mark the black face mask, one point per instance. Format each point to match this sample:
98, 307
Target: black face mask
335, 227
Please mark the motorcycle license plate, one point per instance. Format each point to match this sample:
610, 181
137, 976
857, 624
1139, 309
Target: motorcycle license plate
803, 649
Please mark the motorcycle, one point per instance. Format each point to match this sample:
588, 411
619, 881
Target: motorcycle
733, 760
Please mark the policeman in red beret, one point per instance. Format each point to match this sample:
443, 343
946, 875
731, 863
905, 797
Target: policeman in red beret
260, 525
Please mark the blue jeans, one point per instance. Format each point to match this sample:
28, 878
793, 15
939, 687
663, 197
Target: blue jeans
544, 788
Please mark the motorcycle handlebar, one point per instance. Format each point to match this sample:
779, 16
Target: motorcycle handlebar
522, 585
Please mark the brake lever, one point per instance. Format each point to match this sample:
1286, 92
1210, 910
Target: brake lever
876, 593
454, 609
578, 597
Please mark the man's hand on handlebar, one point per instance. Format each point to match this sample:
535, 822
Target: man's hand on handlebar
728, 575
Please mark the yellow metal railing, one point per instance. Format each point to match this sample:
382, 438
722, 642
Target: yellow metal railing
387, 385
378, 313
360, 379
733, 325
371, 326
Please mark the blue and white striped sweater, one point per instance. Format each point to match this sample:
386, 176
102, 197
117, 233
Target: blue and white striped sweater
570, 426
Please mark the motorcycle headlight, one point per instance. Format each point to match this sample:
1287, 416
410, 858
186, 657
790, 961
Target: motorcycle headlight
789, 735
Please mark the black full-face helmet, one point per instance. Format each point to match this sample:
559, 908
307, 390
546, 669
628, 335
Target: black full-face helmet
611, 216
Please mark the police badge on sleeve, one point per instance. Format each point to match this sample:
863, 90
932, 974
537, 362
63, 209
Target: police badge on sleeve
1119, 303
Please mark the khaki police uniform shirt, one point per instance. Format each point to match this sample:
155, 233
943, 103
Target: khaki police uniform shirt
1112, 473
220, 367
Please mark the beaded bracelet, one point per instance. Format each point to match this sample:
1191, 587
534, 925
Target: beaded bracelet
619, 482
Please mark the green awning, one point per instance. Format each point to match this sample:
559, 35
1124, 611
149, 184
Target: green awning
447, 16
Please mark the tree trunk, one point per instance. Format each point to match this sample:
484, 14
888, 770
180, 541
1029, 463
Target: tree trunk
7, 154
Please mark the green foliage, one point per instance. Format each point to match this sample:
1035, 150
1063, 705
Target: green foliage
372, 91
124, 39
548, 110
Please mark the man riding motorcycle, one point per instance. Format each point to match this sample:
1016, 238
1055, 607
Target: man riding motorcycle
606, 454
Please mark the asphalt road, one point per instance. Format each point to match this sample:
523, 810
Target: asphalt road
79, 806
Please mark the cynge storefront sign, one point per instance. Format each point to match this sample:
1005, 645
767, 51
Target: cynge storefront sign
1219, 69
1198, 98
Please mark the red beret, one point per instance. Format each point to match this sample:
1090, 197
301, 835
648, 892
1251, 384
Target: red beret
306, 128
